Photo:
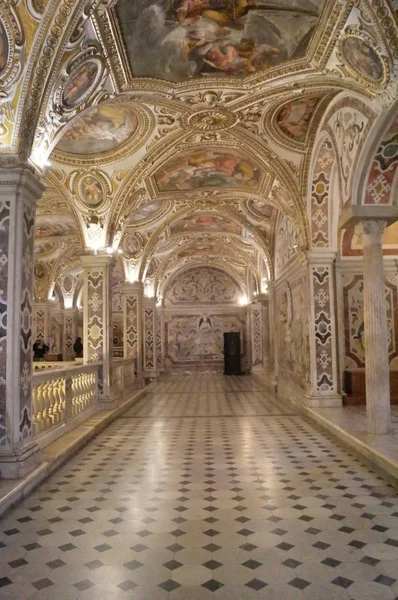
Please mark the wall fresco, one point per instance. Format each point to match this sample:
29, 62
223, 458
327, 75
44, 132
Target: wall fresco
204, 285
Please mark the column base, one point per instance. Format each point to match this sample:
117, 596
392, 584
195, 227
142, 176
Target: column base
19, 464
110, 401
321, 401
153, 375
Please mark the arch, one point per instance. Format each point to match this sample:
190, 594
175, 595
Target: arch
377, 180
144, 260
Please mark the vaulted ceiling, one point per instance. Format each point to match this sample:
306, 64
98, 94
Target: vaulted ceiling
179, 131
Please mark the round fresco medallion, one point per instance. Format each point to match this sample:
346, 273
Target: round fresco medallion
99, 130
79, 84
363, 59
131, 244
91, 191
4, 48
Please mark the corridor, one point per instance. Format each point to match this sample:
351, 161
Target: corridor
206, 488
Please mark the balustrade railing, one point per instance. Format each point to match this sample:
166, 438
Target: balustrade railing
62, 394
122, 374
67, 395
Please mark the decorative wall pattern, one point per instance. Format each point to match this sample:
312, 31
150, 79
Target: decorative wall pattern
117, 287
131, 325
95, 324
257, 337
69, 335
320, 193
4, 265
203, 285
292, 330
197, 339
40, 324
149, 339
322, 282
159, 340
380, 188
26, 310
287, 242
354, 320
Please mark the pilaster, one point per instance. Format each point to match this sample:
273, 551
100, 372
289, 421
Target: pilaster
70, 333
41, 317
324, 390
133, 327
97, 320
19, 191
254, 312
150, 342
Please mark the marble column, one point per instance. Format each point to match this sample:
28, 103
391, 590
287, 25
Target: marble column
19, 191
149, 338
323, 387
255, 330
41, 317
133, 329
377, 369
97, 321
70, 333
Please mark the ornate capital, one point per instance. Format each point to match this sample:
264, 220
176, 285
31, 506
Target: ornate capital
373, 230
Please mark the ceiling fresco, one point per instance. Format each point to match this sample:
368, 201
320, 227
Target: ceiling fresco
207, 168
100, 130
183, 130
206, 224
294, 118
178, 40
50, 226
145, 212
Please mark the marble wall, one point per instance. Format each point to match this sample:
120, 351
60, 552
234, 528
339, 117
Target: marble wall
200, 305
352, 351
291, 345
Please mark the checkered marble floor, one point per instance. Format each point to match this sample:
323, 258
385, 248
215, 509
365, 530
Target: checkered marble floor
170, 506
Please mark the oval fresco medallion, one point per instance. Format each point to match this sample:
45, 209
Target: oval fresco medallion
131, 244
40, 271
145, 212
68, 284
80, 83
99, 130
91, 191
4, 48
363, 59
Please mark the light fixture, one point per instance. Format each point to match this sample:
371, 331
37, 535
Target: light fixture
243, 300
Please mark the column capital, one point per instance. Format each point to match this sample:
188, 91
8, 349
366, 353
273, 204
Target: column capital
149, 302
96, 260
320, 256
373, 231
133, 287
20, 181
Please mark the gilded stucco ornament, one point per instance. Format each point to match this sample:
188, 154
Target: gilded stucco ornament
209, 120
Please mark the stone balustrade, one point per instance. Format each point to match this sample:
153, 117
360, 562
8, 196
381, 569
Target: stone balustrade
122, 374
66, 394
